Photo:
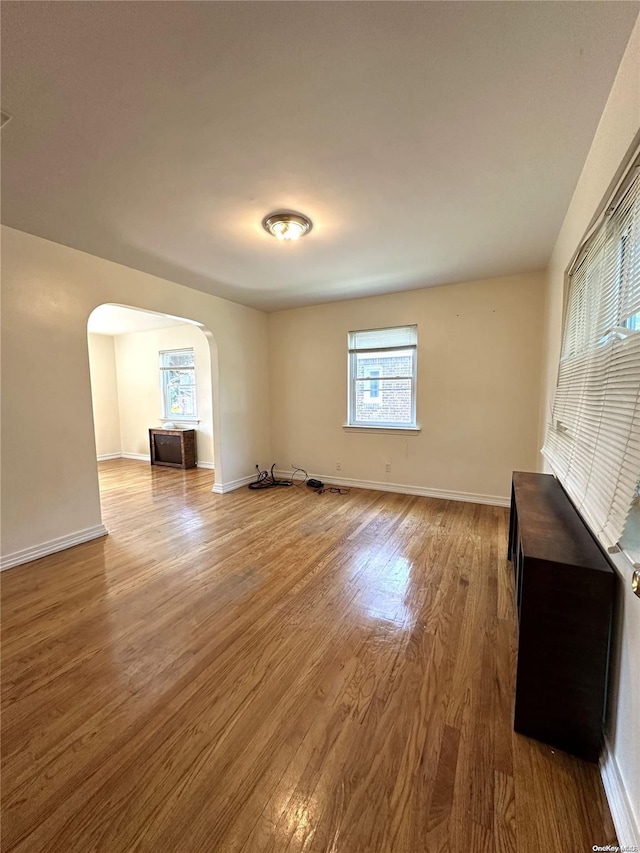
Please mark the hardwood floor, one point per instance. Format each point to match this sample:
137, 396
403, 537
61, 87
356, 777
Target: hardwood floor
276, 671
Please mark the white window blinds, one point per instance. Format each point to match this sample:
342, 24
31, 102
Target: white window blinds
397, 337
593, 441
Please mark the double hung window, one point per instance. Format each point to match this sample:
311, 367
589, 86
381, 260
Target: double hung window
178, 384
382, 377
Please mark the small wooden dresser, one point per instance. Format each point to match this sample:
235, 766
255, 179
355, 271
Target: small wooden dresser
565, 589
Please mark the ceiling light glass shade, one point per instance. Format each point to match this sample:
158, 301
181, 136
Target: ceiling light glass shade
287, 226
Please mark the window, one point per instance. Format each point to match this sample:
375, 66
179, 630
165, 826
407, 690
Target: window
382, 377
593, 441
178, 382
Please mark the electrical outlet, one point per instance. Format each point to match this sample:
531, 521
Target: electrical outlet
387, 467
338, 466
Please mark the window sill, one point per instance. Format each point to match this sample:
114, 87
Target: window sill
403, 430
179, 420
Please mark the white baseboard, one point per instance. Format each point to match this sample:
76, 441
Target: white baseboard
143, 457
223, 488
52, 546
399, 488
627, 828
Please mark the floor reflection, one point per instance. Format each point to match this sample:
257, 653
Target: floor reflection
385, 593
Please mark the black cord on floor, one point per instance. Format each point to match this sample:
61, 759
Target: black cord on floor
266, 480
298, 482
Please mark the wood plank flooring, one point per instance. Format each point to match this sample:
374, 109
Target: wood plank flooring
276, 671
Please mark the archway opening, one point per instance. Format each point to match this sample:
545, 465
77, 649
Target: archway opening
150, 371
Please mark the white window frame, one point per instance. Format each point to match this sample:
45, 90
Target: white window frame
353, 380
167, 415
592, 438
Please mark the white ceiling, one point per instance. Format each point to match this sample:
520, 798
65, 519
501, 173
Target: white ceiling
118, 320
429, 142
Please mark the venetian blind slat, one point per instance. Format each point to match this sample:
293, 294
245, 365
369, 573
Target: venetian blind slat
593, 440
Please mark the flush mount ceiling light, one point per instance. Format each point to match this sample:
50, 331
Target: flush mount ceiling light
287, 226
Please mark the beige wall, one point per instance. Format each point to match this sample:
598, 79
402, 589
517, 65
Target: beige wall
616, 136
139, 386
479, 368
49, 478
104, 395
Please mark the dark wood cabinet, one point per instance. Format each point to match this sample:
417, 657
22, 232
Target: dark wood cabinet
565, 590
173, 447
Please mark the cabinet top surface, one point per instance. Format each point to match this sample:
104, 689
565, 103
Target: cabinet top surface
550, 527
162, 431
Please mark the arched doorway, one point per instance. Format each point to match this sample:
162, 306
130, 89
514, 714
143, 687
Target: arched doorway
130, 392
